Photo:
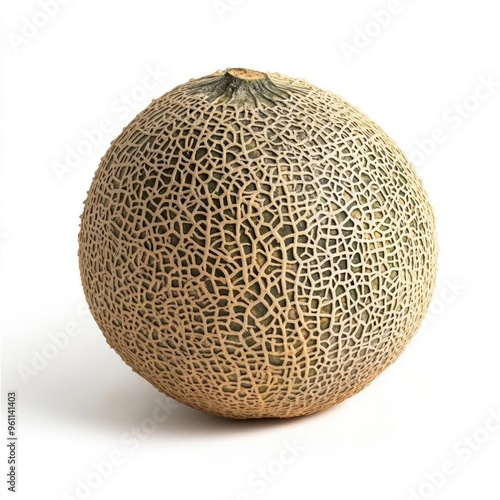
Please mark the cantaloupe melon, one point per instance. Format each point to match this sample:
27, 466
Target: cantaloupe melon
255, 246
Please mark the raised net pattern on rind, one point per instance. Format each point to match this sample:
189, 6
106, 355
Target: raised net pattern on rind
257, 261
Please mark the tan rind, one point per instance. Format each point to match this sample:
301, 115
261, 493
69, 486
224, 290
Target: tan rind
257, 258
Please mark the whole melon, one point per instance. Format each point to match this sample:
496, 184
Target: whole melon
255, 246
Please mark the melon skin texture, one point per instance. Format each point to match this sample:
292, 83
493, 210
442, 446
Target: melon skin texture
255, 246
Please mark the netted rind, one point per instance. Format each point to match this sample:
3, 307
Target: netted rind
257, 260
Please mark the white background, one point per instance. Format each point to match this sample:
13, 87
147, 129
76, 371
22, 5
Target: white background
418, 70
